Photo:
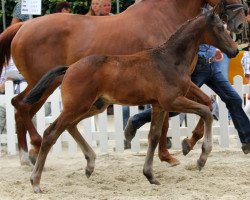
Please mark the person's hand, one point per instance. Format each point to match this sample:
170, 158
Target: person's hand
218, 55
248, 19
2, 88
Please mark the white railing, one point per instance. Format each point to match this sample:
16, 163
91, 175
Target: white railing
104, 129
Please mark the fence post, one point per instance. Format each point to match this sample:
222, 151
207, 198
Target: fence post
119, 136
176, 131
10, 119
103, 133
87, 134
238, 83
223, 121
135, 143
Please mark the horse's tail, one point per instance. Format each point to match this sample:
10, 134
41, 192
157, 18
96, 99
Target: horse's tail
6, 38
36, 93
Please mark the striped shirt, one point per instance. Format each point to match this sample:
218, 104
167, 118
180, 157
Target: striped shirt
245, 61
17, 12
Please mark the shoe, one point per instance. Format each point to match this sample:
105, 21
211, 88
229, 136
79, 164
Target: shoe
130, 130
246, 148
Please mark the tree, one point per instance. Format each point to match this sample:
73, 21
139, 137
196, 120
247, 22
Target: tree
48, 7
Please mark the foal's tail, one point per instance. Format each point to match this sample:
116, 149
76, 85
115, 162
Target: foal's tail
6, 38
36, 93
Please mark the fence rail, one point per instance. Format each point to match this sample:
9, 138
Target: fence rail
102, 129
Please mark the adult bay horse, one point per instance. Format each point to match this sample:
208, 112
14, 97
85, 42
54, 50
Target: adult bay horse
43, 43
157, 76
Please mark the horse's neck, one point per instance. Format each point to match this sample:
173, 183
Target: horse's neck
184, 44
177, 8
190, 7
167, 14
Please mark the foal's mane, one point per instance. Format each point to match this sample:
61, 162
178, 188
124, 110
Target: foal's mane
182, 27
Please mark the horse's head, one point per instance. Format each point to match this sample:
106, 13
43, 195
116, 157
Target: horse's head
217, 35
232, 12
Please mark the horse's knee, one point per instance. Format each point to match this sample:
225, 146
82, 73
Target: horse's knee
207, 102
208, 117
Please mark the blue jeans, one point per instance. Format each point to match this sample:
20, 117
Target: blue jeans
144, 117
212, 76
223, 65
125, 115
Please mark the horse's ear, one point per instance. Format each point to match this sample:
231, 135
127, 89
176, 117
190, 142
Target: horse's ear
215, 9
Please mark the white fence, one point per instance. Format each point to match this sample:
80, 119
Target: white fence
104, 129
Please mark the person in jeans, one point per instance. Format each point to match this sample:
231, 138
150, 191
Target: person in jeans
206, 72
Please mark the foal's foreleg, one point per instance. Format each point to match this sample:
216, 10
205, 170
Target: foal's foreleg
163, 152
86, 149
153, 139
182, 104
98, 107
196, 94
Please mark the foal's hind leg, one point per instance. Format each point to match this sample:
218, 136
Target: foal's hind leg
163, 152
196, 94
153, 139
67, 119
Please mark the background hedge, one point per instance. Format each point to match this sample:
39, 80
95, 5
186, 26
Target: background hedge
48, 7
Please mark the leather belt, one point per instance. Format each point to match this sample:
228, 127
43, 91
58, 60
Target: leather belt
206, 60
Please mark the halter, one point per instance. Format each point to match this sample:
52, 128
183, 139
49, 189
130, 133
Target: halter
236, 8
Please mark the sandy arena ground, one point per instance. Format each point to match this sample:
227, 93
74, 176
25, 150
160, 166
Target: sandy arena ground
118, 176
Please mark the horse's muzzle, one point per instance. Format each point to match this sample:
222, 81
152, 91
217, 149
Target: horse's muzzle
234, 53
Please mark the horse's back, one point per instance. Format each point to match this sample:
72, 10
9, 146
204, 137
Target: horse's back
57, 39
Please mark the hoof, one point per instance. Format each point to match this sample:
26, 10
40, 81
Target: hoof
174, 162
24, 158
37, 190
129, 130
200, 164
155, 182
185, 147
246, 148
88, 173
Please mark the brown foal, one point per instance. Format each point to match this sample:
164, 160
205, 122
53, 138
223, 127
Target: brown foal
157, 76
67, 38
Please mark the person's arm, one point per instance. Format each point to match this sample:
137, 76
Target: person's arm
15, 20
218, 55
248, 19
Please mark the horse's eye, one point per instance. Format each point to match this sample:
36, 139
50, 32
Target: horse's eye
221, 28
